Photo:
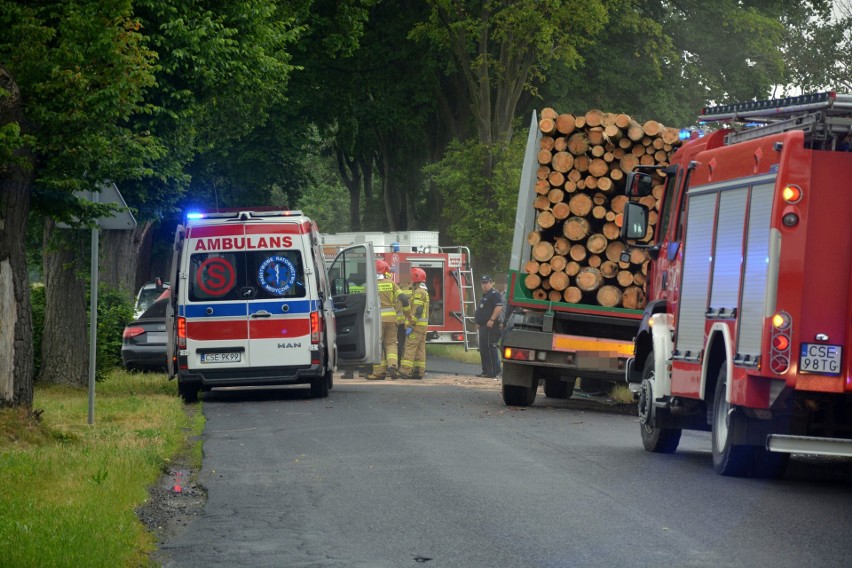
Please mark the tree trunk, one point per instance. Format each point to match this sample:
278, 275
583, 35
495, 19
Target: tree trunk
16, 326
65, 340
121, 258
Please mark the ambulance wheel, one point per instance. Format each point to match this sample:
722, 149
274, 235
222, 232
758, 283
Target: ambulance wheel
320, 386
729, 458
555, 388
654, 439
188, 391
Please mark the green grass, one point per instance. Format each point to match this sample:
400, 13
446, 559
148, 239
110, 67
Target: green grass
452, 351
69, 490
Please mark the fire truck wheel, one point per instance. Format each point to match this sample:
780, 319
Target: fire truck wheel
188, 391
654, 439
556, 388
729, 458
320, 386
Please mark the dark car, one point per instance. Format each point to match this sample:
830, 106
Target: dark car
143, 344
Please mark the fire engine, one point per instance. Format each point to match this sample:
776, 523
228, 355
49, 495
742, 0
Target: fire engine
748, 328
449, 277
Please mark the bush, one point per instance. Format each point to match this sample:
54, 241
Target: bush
115, 311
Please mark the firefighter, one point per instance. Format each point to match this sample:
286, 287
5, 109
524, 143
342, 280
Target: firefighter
391, 303
414, 361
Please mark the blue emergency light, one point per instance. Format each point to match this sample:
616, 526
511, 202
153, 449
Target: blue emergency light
194, 216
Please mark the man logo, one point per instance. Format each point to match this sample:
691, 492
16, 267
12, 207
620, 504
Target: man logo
289, 345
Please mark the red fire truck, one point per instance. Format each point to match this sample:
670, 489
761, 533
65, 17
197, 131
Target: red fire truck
449, 277
748, 328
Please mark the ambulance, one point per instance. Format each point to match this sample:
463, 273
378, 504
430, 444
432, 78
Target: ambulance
253, 304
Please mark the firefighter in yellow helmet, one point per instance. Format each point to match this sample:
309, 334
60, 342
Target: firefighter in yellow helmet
391, 303
414, 361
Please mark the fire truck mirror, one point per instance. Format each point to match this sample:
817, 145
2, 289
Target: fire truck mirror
635, 221
639, 184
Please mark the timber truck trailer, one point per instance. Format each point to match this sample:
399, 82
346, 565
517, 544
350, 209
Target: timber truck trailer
748, 328
556, 343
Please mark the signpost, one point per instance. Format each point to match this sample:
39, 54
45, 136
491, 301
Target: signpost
121, 220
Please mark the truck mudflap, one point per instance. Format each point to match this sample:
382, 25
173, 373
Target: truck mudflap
784, 443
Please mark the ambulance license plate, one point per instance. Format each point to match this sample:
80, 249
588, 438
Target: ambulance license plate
221, 357
820, 359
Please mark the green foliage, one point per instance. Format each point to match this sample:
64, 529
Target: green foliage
818, 44
115, 311
458, 176
82, 69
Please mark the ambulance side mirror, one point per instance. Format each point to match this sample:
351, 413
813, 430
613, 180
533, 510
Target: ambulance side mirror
634, 221
638, 185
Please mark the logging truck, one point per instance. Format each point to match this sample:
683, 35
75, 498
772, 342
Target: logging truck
449, 277
575, 293
746, 332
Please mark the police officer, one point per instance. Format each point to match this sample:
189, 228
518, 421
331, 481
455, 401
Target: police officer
486, 317
417, 315
391, 304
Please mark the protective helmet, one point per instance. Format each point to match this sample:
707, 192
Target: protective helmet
418, 275
382, 267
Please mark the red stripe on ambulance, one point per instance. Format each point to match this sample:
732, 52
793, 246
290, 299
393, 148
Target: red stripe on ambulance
280, 329
216, 330
282, 228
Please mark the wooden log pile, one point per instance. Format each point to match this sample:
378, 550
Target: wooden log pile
583, 162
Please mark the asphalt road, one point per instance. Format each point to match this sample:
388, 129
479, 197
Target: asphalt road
440, 473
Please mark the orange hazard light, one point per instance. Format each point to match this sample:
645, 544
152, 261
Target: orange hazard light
792, 193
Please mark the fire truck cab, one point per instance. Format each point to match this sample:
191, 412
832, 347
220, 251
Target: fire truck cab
748, 328
254, 304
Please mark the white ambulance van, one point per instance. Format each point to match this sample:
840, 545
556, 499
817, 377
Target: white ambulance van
253, 304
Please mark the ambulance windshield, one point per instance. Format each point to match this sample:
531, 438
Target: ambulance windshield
246, 275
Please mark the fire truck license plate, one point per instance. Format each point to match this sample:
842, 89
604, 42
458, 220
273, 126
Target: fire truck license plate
220, 357
821, 359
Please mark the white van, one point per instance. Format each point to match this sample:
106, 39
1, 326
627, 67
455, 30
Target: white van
253, 304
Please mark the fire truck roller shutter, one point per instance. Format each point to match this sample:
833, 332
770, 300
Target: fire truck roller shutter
755, 293
696, 273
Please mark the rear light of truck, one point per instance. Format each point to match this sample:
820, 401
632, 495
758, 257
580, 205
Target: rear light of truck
181, 333
316, 327
780, 343
518, 354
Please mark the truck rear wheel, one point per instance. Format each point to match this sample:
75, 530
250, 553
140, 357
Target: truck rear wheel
514, 395
519, 385
654, 439
555, 388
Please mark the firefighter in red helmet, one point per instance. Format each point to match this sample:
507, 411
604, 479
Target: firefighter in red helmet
414, 360
391, 304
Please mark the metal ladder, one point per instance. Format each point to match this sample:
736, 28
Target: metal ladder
467, 298
825, 118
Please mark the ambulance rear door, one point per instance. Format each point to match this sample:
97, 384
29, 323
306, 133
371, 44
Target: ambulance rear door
215, 297
280, 293
352, 277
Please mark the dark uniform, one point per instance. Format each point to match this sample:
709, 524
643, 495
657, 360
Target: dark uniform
486, 317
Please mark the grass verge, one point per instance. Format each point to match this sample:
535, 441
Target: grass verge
69, 490
452, 351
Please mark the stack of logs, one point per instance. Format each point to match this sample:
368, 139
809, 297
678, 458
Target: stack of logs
583, 162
